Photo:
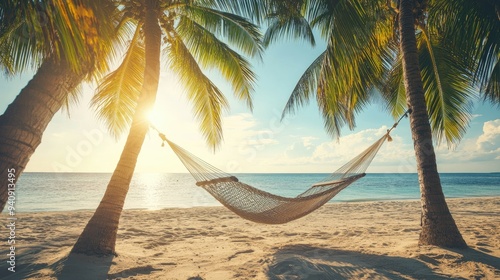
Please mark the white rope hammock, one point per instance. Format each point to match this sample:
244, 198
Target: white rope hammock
262, 207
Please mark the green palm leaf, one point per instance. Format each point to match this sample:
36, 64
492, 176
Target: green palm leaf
239, 32
473, 28
342, 76
210, 52
330, 101
116, 97
447, 90
255, 10
393, 90
447, 86
31, 31
492, 89
208, 100
286, 19
18, 37
306, 86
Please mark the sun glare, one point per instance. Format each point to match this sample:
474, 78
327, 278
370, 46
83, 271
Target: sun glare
153, 117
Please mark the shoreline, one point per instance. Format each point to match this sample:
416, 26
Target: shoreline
360, 240
221, 206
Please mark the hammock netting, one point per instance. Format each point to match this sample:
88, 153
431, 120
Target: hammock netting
262, 207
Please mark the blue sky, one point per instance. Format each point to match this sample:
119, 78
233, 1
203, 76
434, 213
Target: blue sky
253, 141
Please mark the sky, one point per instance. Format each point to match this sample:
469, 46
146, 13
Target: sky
254, 141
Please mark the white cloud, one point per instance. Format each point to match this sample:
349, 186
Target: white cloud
308, 141
482, 148
474, 154
347, 147
246, 143
329, 155
489, 141
301, 148
242, 131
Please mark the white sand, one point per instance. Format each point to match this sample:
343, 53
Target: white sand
367, 240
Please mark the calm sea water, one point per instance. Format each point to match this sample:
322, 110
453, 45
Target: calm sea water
74, 191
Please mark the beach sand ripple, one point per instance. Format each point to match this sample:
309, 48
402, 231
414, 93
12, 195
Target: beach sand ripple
365, 240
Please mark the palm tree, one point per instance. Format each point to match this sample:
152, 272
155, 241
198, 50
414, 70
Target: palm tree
193, 35
419, 67
60, 39
470, 30
438, 226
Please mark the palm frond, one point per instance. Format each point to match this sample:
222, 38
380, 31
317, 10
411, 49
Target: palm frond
5, 63
72, 98
236, 30
342, 94
348, 23
210, 52
255, 10
99, 21
73, 31
492, 89
357, 60
293, 27
343, 75
334, 114
319, 11
344, 17
208, 100
472, 28
124, 30
306, 86
18, 38
116, 97
393, 90
286, 19
334, 104
446, 80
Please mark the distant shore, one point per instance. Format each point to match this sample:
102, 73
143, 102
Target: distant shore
355, 240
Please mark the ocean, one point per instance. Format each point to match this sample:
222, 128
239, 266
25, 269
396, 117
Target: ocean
39, 192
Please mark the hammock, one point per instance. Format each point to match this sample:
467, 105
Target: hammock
262, 207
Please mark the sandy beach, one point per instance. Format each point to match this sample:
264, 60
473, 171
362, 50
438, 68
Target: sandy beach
362, 240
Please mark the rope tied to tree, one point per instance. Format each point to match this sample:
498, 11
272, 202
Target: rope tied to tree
405, 115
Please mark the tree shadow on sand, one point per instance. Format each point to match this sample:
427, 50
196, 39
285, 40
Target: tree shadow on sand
71, 267
33, 263
310, 263
478, 256
78, 266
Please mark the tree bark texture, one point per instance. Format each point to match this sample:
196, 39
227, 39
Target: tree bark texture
26, 118
438, 226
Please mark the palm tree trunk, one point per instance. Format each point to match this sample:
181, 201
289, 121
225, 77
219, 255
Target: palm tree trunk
99, 235
438, 226
24, 121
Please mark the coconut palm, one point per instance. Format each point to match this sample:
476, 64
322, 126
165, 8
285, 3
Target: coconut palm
191, 35
438, 226
60, 40
457, 49
413, 61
